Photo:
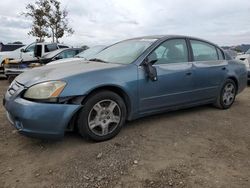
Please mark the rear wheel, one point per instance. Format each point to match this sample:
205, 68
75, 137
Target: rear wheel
227, 95
102, 116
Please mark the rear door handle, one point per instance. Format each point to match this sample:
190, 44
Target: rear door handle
223, 68
189, 73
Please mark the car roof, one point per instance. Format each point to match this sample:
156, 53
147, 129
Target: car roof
46, 43
164, 37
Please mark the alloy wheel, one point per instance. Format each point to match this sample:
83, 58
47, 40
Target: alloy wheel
228, 94
104, 117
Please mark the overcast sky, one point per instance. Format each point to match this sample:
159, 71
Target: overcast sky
225, 22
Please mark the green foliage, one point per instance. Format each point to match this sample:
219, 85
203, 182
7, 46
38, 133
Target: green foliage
237, 49
48, 20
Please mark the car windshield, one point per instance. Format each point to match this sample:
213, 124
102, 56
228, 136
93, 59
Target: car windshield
248, 51
53, 53
86, 54
124, 52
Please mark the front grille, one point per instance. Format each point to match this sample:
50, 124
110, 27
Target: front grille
14, 87
15, 66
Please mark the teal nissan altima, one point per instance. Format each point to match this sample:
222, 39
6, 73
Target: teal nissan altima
127, 80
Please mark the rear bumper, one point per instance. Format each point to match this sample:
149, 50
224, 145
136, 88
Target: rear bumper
40, 120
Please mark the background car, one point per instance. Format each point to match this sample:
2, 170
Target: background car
15, 67
232, 53
245, 58
86, 54
125, 81
26, 53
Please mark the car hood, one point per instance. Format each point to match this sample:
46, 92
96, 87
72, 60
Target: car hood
61, 71
10, 54
3, 55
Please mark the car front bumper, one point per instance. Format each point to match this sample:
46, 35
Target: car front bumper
1, 70
40, 120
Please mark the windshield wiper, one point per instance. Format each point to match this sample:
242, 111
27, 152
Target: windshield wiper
98, 60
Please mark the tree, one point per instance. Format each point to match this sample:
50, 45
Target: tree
237, 49
37, 12
58, 21
48, 20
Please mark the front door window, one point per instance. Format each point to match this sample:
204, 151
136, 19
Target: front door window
171, 51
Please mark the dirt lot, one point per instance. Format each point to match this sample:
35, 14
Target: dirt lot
198, 147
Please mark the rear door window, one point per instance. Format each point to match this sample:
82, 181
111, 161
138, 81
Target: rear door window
203, 51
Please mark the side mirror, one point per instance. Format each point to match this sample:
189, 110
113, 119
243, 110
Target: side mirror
22, 50
57, 58
150, 69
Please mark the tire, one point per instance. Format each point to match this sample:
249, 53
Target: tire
98, 119
227, 95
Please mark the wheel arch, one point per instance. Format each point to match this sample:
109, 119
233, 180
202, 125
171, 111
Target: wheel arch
116, 89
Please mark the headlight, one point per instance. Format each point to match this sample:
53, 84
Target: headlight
47, 91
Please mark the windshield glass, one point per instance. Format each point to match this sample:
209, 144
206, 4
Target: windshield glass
248, 51
53, 53
124, 52
87, 54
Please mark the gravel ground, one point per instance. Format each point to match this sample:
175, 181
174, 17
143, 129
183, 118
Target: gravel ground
198, 147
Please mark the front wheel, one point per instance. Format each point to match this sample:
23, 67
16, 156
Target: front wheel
227, 95
102, 116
